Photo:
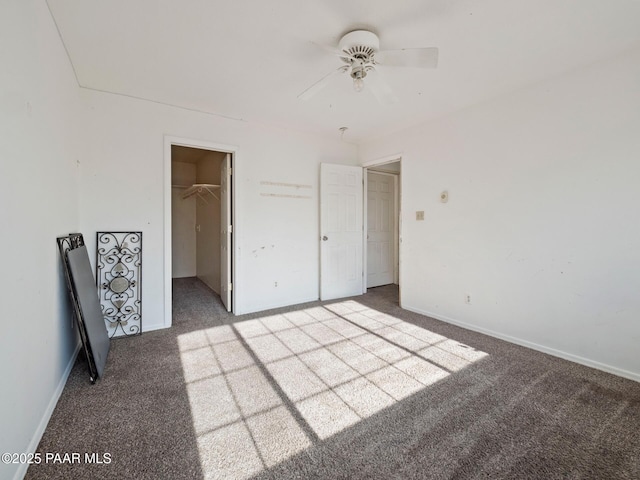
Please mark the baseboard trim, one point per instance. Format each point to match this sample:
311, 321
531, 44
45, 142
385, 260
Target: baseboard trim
534, 346
44, 421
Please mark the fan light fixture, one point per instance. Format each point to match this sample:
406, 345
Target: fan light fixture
358, 82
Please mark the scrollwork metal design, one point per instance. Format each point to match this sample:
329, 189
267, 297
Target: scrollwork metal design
118, 277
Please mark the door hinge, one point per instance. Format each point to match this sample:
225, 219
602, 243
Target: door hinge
230, 286
230, 228
230, 171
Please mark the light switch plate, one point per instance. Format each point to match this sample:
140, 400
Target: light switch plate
420, 215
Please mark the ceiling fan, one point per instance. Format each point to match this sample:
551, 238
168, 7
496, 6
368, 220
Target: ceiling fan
361, 54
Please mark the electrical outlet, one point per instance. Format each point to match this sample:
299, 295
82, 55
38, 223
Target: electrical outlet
420, 215
467, 299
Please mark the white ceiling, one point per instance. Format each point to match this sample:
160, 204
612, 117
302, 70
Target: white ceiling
249, 59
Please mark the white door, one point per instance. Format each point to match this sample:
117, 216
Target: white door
225, 232
380, 229
340, 231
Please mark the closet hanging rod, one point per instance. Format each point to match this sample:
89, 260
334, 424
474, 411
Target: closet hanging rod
199, 188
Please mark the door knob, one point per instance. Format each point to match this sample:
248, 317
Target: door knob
325, 238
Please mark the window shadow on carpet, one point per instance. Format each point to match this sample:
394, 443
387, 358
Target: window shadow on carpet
266, 389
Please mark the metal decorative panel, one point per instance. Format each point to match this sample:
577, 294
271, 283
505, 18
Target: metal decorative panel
118, 277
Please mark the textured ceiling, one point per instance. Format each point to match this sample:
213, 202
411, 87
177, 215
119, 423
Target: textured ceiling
249, 59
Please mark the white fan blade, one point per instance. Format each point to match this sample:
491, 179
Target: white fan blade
320, 84
408, 57
380, 88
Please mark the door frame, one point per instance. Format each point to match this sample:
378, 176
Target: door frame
203, 145
397, 220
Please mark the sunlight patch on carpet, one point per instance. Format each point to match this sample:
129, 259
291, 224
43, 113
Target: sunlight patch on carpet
264, 390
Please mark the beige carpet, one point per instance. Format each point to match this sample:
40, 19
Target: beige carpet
347, 389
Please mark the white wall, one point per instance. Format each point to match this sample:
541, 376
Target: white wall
278, 237
39, 134
183, 222
208, 218
541, 227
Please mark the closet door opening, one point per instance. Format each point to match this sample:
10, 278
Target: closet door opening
201, 248
382, 262
382, 201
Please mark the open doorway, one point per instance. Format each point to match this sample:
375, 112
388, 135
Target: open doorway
382, 223
195, 215
198, 226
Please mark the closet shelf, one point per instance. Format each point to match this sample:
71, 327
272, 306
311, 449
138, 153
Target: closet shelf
199, 189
